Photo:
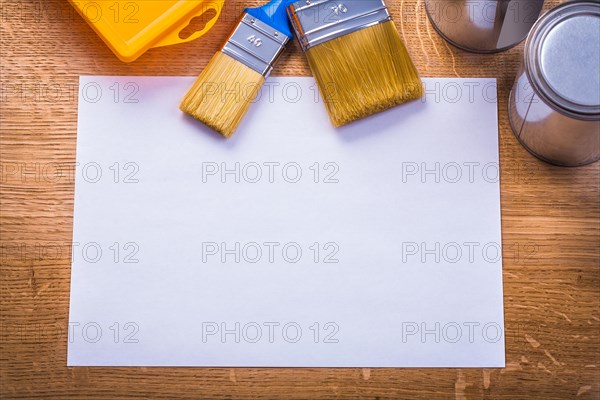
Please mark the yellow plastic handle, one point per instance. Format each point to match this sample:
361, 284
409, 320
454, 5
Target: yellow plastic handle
173, 36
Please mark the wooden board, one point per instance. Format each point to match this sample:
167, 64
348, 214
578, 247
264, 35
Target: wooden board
550, 218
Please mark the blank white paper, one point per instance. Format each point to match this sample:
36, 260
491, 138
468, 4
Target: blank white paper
292, 244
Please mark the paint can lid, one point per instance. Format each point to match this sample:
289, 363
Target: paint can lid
562, 55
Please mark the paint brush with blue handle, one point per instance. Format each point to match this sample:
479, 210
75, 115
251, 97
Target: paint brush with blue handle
225, 89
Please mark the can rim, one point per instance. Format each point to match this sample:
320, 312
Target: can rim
533, 45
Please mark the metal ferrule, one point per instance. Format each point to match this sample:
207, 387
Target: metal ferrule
317, 21
255, 44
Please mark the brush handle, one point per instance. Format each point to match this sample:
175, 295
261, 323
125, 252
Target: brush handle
273, 14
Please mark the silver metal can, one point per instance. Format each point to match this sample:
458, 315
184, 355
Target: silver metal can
554, 105
483, 26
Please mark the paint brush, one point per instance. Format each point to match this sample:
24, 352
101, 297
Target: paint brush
356, 55
225, 89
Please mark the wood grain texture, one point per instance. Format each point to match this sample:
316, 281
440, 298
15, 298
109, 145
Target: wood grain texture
550, 220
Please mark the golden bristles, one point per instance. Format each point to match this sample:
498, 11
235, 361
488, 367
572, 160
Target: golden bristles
364, 72
222, 94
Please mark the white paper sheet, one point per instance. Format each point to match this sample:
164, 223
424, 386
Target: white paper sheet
293, 243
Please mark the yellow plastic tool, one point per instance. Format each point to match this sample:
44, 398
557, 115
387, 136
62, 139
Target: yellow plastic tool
129, 28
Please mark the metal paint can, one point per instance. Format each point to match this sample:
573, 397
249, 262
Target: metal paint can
554, 105
483, 26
